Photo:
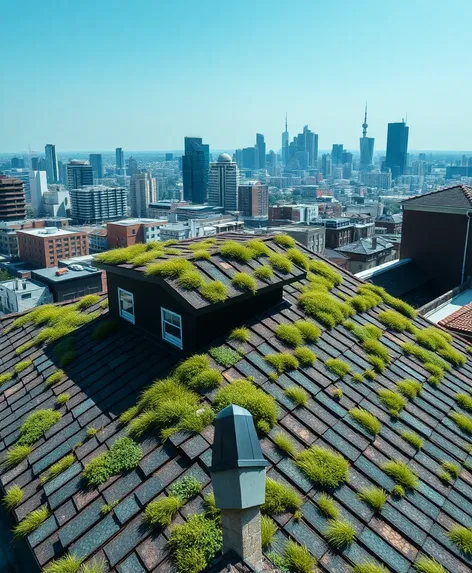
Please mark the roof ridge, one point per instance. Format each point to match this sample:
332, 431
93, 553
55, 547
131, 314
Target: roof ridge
464, 188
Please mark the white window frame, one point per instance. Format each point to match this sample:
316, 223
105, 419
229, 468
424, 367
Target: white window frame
124, 313
170, 337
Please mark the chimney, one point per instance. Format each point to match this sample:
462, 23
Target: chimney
374, 242
238, 476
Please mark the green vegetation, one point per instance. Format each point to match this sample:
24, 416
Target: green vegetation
282, 361
297, 558
264, 273
464, 401
201, 255
373, 346
214, 291
337, 393
87, 301
106, 328
108, 507
23, 348
280, 498
225, 356
13, 497
398, 490
121, 256
67, 564
209, 505
439, 341
305, 356
185, 488
236, 251
195, 543
190, 280
364, 302
92, 431
427, 358
327, 506
401, 474
147, 257
285, 444
462, 538
337, 366
245, 282
62, 399
324, 307
340, 534
161, 512
374, 497
54, 377
240, 334
285, 241
298, 258
280, 263
393, 401
15, 455
123, 455
395, 303
64, 351
58, 468
170, 268
317, 282
5, 377
462, 421
31, 522
377, 363
259, 248
289, 334
413, 439
409, 388
453, 469
323, 269
370, 374
297, 395
243, 393
366, 420
268, 530
325, 468
369, 567
425, 564
395, 321
23, 365
309, 330
36, 425
468, 349
128, 415
357, 377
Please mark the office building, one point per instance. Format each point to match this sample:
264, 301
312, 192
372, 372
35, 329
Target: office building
195, 165
304, 149
128, 232
254, 199
261, 150
98, 203
250, 158
326, 165
56, 201
380, 180
169, 157
12, 199
132, 166
79, 174
120, 161
337, 153
397, 148
47, 246
17, 163
272, 163
285, 144
35, 164
52, 168
223, 183
366, 146
142, 192
38, 186
22, 175
97, 165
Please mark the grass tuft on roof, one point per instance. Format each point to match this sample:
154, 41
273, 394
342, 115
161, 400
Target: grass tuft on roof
67, 564
413, 439
280, 498
106, 328
401, 473
284, 241
62, 399
170, 268
298, 258
309, 330
289, 334
304, 355
464, 401
395, 321
243, 393
409, 388
61, 466
297, 395
268, 530
393, 401
323, 269
374, 497
357, 377
264, 273
31, 522
280, 263
366, 420
224, 355
323, 467
297, 558
425, 356
324, 307
285, 444
451, 468
240, 334
369, 567
190, 280
337, 366
120, 256
244, 282
36, 425
337, 393
282, 361
425, 564
236, 251
5, 377
364, 302
13, 497
370, 374
201, 255
23, 365
87, 301
439, 341
15, 455
161, 512
395, 303
214, 291
259, 248
375, 347
327, 506
340, 534
462, 538
462, 421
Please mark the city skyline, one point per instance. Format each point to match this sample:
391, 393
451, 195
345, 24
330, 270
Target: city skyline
345, 54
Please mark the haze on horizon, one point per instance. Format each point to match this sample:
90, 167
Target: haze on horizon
91, 75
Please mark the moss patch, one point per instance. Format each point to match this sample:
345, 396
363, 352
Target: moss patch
337, 366
244, 282
323, 467
366, 420
214, 291
36, 425
282, 362
324, 307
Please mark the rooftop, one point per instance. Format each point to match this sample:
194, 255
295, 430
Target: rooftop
366, 246
21, 286
452, 197
460, 321
138, 221
106, 365
451, 307
50, 274
47, 232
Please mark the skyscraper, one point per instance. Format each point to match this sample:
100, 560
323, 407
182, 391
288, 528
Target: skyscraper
52, 170
120, 161
142, 192
261, 150
254, 199
326, 165
195, 165
79, 174
97, 166
223, 183
304, 149
38, 186
12, 199
285, 143
366, 146
132, 166
98, 203
397, 148
250, 158
337, 153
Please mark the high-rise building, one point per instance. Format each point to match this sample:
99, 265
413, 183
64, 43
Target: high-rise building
285, 143
272, 161
52, 170
17, 163
304, 149
38, 186
132, 166
142, 192
326, 165
35, 163
223, 183
98, 203
79, 173
366, 146
397, 148
12, 199
261, 150
97, 165
195, 165
120, 161
250, 158
337, 153
254, 199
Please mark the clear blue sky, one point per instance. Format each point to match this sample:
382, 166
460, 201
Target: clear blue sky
96, 74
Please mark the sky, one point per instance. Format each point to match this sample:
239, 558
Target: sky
92, 75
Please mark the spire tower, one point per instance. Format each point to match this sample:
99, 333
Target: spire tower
364, 125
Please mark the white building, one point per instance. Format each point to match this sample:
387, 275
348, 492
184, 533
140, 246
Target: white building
97, 203
223, 183
18, 295
38, 187
142, 192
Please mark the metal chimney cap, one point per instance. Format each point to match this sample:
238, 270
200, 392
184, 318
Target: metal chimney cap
236, 444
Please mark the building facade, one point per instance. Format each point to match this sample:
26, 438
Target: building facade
223, 183
195, 165
12, 199
97, 165
19, 295
131, 231
52, 169
47, 246
254, 199
98, 203
79, 174
367, 253
142, 193
397, 148
261, 150
392, 223
38, 187
120, 161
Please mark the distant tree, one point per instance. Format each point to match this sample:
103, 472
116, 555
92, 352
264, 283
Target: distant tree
5, 275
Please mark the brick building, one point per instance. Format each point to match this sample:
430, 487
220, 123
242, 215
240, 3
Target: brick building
131, 231
254, 199
367, 253
339, 232
12, 199
393, 223
46, 247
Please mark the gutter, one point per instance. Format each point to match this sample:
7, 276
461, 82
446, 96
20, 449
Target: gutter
469, 213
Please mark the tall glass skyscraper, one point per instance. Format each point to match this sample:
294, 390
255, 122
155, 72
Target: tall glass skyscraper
261, 150
397, 148
223, 184
97, 165
120, 161
195, 166
52, 171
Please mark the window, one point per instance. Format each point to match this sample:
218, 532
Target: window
171, 327
126, 303
25, 296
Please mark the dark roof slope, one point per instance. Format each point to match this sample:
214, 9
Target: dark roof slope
366, 246
106, 377
457, 196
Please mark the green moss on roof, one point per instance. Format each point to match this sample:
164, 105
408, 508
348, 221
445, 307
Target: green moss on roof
259, 248
395, 303
395, 321
282, 361
413, 439
298, 258
236, 251
393, 401
280, 263
214, 291
337, 366
462, 538
410, 388
324, 307
366, 420
323, 467
264, 273
241, 334
326, 271
170, 268
190, 280
36, 425
225, 356
304, 355
285, 241
464, 400
289, 334
121, 256
245, 282
280, 498
462, 421
401, 473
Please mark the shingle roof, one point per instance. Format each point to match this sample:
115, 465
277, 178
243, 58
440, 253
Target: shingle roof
460, 321
107, 377
366, 246
456, 196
